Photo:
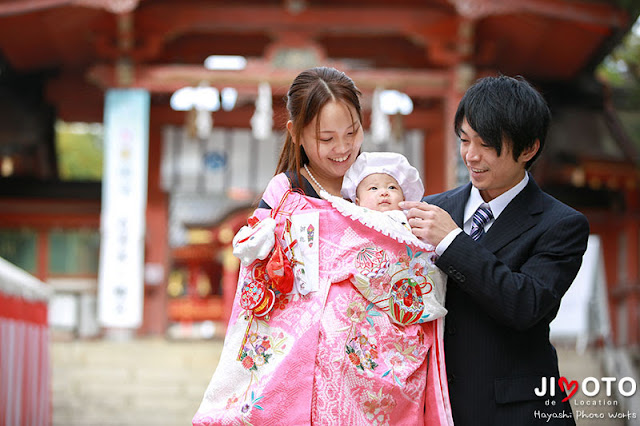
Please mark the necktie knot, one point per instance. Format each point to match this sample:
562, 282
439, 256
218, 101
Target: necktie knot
480, 218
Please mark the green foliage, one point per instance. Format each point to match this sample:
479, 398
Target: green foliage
621, 71
79, 151
630, 120
622, 67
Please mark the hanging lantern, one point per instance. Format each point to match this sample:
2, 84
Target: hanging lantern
262, 120
380, 125
199, 102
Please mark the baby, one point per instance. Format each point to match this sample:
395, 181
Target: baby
380, 181
376, 181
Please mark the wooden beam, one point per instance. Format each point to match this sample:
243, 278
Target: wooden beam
598, 13
169, 78
75, 99
45, 214
20, 7
169, 19
423, 25
166, 18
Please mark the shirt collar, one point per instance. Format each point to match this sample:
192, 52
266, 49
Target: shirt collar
498, 204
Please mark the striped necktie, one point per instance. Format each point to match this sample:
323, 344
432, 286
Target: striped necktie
480, 219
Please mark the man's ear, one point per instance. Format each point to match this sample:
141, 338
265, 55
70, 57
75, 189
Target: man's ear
528, 153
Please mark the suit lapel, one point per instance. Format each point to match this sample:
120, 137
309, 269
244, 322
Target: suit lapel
522, 213
456, 202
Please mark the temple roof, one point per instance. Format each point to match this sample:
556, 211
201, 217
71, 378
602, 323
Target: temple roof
58, 56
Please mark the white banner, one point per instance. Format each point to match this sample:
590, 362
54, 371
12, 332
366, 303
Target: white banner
124, 201
584, 310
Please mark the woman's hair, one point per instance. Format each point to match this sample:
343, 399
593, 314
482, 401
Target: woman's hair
505, 109
310, 91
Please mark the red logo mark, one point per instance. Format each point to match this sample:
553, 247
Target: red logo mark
571, 387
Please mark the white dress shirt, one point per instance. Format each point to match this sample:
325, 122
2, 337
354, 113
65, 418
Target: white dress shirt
497, 205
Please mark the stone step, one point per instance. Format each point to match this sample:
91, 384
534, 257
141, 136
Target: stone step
138, 382
161, 382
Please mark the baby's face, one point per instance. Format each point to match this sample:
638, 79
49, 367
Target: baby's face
379, 191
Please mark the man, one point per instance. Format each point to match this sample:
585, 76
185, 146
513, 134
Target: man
508, 266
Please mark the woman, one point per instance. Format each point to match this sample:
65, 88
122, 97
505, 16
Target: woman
321, 154
329, 327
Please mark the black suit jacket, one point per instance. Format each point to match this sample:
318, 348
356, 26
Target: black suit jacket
502, 293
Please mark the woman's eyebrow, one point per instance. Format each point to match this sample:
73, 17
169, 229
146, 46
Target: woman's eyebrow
333, 131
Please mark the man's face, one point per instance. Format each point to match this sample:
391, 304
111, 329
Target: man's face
491, 174
379, 191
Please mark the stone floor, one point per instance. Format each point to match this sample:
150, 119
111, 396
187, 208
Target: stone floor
140, 382
578, 366
161, 382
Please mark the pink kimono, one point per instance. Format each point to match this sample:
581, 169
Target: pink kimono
357, 340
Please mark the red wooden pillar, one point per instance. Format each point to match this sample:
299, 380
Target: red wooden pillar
632, 230
609, 238
440, 145
193, 274
155, 319
461, 77
451, 152
632, 196
435, 159
42, 255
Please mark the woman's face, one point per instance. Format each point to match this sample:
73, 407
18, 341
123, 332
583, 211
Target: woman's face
336, 145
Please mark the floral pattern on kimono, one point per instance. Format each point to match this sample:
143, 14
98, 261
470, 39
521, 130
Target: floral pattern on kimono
340, 354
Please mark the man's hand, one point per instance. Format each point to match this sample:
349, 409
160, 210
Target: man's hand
428, 222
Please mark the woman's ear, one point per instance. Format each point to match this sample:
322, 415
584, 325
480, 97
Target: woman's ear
290, 129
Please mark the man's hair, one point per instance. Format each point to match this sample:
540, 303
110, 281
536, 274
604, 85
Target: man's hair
505, 109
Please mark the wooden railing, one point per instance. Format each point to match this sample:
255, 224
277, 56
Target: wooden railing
620, 235
25, 370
